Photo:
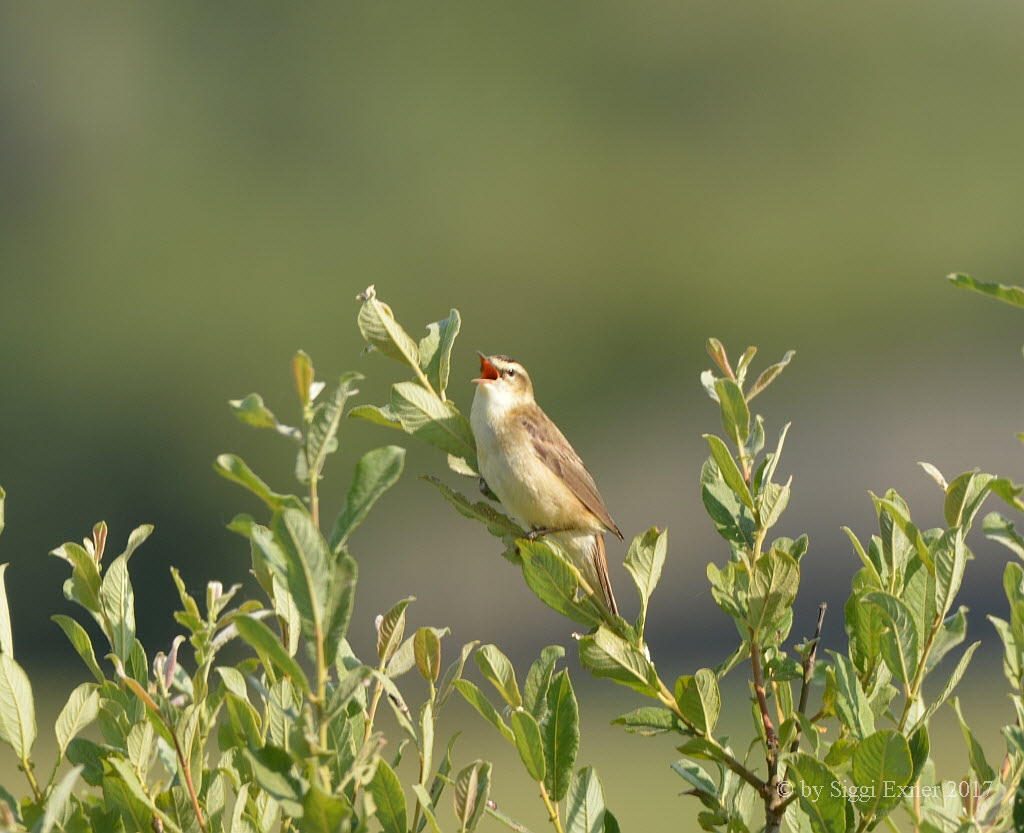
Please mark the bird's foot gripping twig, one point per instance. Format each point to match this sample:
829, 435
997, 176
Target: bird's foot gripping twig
534, 534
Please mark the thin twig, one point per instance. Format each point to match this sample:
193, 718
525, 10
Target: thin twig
771, 739
805, 686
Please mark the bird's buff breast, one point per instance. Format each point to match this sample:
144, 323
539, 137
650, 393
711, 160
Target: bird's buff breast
530, 491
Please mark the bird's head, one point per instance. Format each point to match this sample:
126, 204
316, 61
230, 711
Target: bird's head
504, 379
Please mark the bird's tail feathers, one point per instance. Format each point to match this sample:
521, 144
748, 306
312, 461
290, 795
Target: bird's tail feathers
601, 568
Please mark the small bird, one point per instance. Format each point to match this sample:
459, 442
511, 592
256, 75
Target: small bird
528, 464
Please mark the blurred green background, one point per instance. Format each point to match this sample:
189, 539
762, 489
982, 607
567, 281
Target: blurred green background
190, 192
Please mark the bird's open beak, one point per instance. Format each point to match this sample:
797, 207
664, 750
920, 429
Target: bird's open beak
488, 372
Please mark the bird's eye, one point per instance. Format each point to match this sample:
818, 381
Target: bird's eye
510, 372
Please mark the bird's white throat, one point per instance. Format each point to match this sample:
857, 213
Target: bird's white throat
492, 401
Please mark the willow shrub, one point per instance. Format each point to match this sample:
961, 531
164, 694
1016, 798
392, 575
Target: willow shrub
287, 738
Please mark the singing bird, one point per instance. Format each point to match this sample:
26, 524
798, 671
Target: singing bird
538, 477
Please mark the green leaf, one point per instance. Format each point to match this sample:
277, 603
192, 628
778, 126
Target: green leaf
321, 435
270, 649
934, 474
404, 659
851, 703
892, 512
813, 784
528, 741
475, 697
773, 587
436, 350
695, 776
729, 470
389, 798
1013, 295
772, 460
427, 805
964, 497
949, 555
117, 605
85, 576
268, 559
378, 415
340, 598
124, 789
950, 634
81, 709
427, 651
920, 745
899, 643
302, 372
433, 420
538, 680
57, 801
561, 730
772, 502
499, 525
391, 629
649, 720
426, 742
252, 411
869, 564
6, 635
607, 655
1000, 529
472, 787
585, 810
376, 472
732, 519
273, 772
644, 561
243, 723
380, 329
497, 668
920, 593
699, 700
769, 374
554, 581
234, 469
744, 363
309, 566
735, 414
17, 708
90, 756
3, 499
453, 672
882, 764
975, 752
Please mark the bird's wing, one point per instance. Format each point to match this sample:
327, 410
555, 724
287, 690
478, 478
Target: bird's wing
553, 448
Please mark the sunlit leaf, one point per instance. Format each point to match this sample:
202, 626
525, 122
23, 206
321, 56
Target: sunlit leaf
378, 326
644, 561
17, 708
376, 472
561, 735
585, 808
1013, 295
389, 798
882, 764
270, 649
528, 742
497, 668
438, 423
80, 710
